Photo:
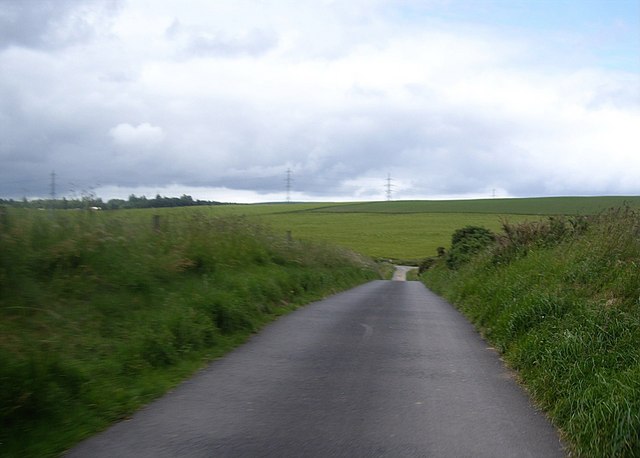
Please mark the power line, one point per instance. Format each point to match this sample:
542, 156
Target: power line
389, 187
53, 185
288, 181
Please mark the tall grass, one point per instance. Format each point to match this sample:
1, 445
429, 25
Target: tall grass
561, 300
100, 313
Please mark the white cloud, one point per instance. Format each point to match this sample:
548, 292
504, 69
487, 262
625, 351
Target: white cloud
203, 43
52, 24
340, 92
142, 136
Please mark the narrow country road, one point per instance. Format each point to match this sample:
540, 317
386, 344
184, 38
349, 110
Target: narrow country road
385, 369
401, 272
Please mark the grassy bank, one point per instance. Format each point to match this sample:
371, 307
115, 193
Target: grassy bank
102, 312
561, 299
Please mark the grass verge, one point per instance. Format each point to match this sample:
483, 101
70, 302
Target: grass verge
101, 313
561, 300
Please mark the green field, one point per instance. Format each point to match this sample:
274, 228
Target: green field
391, 235
388, 236
409, 230
528, 206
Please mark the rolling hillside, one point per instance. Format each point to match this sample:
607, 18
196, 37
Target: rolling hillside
410, 230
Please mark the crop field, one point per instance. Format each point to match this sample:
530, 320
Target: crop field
409, 230
528, 206
391, 236
395, 236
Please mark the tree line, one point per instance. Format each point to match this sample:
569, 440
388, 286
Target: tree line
93, 202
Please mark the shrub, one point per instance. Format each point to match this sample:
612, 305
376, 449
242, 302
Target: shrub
466, 242
518, 239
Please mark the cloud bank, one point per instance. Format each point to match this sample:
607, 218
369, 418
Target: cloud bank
143, 136
226, 96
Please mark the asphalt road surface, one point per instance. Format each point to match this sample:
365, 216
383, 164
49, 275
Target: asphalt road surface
401, 272
385, 369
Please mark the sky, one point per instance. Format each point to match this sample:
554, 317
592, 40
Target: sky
218, 99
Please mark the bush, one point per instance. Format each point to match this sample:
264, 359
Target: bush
518, 239
426, 264
466, 242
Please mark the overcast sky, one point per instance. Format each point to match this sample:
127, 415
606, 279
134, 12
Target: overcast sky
217, 99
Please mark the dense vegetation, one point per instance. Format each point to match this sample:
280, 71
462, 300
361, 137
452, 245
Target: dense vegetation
102, 311
561, 299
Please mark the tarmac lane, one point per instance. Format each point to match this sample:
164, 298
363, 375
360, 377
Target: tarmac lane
385, 369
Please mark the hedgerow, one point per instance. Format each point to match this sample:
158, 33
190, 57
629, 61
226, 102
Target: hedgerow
560, 299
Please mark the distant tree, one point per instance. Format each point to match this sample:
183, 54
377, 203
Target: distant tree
186, 200
89, 200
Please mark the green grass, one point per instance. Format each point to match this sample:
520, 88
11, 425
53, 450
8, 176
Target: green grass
403, 237
387, 236
100, 312
407, 231
526, 206
561, 301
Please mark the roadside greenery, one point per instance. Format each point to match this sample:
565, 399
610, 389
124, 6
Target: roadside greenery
102, 312
465, 243
560, 298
